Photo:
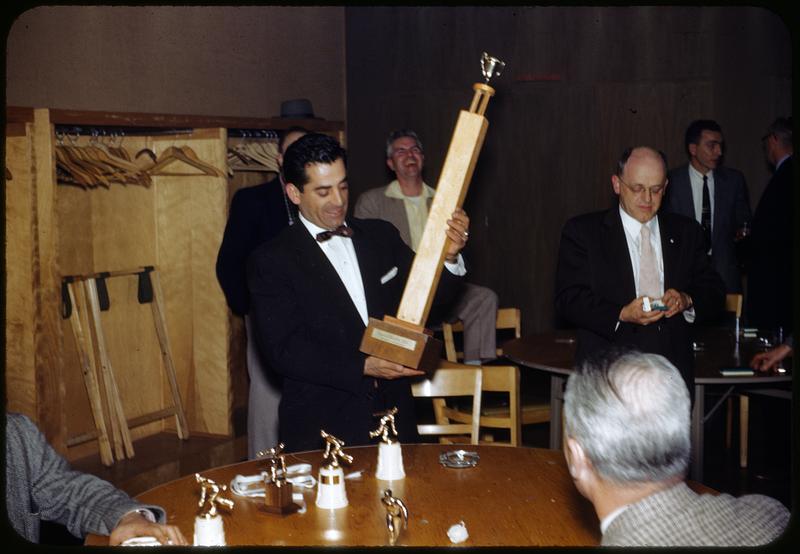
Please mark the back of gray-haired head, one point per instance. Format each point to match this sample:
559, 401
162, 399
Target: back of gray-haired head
400, 133
782, 129
630, 413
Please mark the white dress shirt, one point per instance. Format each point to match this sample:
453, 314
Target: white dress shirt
342, 255
632, 233
696, 179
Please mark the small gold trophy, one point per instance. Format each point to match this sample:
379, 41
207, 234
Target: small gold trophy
395, 510
390, 456
331, 493
208, 528
404, 339
277, 490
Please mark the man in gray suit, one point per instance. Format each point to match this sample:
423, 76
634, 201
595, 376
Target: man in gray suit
626, 423
714, 195
404, 203
40, 486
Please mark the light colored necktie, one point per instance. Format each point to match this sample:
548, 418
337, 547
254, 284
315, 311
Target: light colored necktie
649, 284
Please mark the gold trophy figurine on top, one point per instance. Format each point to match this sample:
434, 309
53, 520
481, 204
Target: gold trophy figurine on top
208, 528
331, 493
404, 339
277, 489
390, 456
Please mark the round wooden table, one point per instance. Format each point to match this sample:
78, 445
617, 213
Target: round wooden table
513, 497
554, 353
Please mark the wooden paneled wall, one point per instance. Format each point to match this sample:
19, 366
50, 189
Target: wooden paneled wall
581, 84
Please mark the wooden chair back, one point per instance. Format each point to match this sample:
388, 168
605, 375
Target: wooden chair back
505, 416
733, 303
446, 383
507, 318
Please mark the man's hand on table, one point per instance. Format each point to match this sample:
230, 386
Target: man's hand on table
135, 524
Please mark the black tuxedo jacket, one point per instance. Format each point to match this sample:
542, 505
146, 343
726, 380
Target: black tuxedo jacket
731, 210
310, 331
257, 214
770, 282
594, 280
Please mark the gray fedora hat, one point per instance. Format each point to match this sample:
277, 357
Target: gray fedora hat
299, 108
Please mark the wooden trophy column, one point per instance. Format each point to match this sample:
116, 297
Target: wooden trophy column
404, 339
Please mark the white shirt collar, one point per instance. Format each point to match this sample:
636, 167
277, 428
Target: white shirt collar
393, 190
698, 175
611, 517
783, 159
313, 228
634, 226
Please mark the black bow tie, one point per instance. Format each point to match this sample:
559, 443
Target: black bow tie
341, 230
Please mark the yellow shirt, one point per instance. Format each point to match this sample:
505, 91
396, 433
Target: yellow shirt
416, 209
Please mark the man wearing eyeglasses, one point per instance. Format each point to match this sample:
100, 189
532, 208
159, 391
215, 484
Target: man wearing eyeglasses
633, 277
404, 203
714, 195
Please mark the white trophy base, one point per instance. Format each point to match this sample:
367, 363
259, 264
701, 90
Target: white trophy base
331, 493
390, 462
209, 531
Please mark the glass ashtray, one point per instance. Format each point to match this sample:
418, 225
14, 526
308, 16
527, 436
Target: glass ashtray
459, 459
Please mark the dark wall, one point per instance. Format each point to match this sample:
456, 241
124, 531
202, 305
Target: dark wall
580, 85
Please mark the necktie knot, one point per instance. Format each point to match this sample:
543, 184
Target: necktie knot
341, 230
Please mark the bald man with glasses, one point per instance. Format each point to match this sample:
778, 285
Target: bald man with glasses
631, 276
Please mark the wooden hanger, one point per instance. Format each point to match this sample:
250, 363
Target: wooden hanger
185, 155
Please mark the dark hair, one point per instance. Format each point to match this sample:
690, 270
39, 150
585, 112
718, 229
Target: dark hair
313, 148
623, 159
782, 129
283, 134
695, 130
400, 133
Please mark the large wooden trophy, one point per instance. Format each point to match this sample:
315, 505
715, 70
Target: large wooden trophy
404, 339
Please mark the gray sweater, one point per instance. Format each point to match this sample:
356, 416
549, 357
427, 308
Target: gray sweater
40, 485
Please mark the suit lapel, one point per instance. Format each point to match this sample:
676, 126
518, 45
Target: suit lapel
670, 248
369, 265
720, 207
615, 246
683, 190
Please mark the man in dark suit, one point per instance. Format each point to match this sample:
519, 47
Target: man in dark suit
610, 261
714, 195
257, 214
311, 300
770, 246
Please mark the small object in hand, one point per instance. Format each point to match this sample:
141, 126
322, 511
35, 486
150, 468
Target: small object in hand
658, 305
646, 304
458, 533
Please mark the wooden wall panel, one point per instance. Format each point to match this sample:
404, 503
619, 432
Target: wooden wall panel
19, 298
581, 84
195, 306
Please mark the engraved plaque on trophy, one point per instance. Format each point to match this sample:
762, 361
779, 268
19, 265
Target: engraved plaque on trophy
404, 339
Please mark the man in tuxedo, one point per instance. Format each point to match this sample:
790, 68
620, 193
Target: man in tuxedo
257, 214
627, 447
313, 289
770, 247
404, 203
714, 195
612, 265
